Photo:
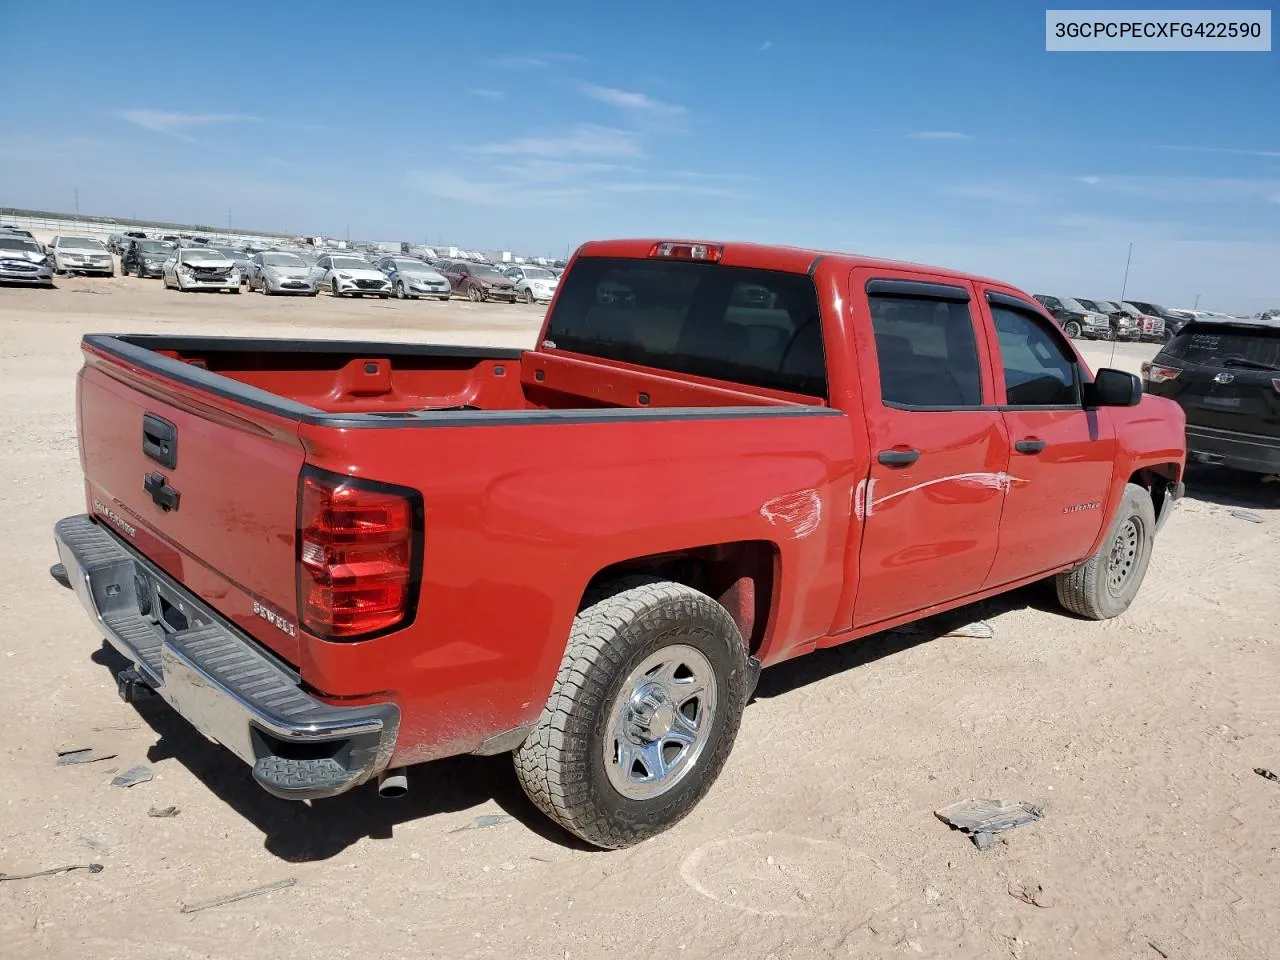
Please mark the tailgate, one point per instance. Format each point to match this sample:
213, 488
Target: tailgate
228, 471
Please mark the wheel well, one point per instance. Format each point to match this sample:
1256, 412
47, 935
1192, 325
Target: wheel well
739, 576
1157, 480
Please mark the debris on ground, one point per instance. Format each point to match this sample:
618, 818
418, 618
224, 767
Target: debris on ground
983, 819
978, 630
163, 812
1030, 892
93, 843
54, 871
1268, 774
81, 755
133, 776
485, 820
1158, 949
1246, 515
236, 897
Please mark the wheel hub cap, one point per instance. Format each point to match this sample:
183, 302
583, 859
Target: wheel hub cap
660, 722
1123, 555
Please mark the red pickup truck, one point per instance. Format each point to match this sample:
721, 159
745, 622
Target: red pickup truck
339, 559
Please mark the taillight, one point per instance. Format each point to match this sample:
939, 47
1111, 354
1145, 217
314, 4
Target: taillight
676, 250
359, 555
1158, 373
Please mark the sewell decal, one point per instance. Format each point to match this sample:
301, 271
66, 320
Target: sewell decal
273, 618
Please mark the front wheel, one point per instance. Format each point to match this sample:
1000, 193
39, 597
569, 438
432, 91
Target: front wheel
642, 716
399, 289
526, 295
1072, 330
474, 294
1105, 584
333, 288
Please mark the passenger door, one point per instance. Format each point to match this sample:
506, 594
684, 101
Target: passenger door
1063, 455
939, 451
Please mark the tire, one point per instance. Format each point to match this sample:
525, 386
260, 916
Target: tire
1105, 584
266, 290
474, 294
314, 293
1072, 329
383, 296
124, 269
567, 765
445, 299
526, 295
399, 289
236, 290
333, 288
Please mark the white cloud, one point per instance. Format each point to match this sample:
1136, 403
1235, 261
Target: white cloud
1228, 150
584, 140
1089, 181
487, 94
516, 63
1165, 189
631, 100
767, 45
939, 135
174, 124
1274, 198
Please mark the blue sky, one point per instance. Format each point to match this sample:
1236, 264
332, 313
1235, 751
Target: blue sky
938, 132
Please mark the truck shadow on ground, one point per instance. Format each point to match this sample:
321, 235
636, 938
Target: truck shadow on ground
1231, 488
300, 833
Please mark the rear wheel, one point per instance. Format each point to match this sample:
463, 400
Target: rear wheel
642, 716
1072, 329
1105, 584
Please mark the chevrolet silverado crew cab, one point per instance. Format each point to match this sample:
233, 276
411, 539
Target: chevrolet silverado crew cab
339, 559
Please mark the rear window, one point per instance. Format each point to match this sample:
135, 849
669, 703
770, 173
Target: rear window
1243, 346
754, 327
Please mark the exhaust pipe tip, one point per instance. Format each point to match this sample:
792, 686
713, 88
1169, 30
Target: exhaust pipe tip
393, 783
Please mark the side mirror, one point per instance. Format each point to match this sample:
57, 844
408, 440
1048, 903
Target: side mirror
1113, 388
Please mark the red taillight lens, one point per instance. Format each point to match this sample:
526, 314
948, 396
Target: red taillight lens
1157, 373
677, 250
359, 556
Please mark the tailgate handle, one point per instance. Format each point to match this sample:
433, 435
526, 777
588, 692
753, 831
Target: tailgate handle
160, 440
165, 496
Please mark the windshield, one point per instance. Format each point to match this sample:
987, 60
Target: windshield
201, 256
282, 260
17, 243
81, 243
231, 253
688, 317
153, 246
537, 273
1205, 344
1075, 306
351, 263
412, 266
1106, 306
1130, 309
483, 270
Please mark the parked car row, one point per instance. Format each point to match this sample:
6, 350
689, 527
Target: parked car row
1081, 318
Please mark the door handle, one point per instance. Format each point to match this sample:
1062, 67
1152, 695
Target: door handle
165, 496
1030, 446
898, 457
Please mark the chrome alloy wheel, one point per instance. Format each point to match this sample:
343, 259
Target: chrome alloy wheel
660, 722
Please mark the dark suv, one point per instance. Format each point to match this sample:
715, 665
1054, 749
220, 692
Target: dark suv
1225, 374
145, 257
1172, 322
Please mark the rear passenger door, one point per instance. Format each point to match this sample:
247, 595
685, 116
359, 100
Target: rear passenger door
939, 449
1063, 455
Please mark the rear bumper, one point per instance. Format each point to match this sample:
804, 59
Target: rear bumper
299, 747
1243, 451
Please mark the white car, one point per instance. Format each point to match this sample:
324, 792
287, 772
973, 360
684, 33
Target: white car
412, 278
199, 268
532, 283
347, 276
81, 255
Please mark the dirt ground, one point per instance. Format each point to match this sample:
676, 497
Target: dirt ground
1138, 737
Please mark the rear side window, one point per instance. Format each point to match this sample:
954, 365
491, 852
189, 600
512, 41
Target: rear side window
1230, 346
927, 352
1037, 370
754, 327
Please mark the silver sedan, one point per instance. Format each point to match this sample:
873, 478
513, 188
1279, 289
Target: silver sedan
23, 261
275, 272
413, 278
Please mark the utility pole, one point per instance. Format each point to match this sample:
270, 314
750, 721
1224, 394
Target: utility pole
228, 218
77, 201
1196, 305
1125, 286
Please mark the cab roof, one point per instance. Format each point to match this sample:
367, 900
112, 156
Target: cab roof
774, 257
